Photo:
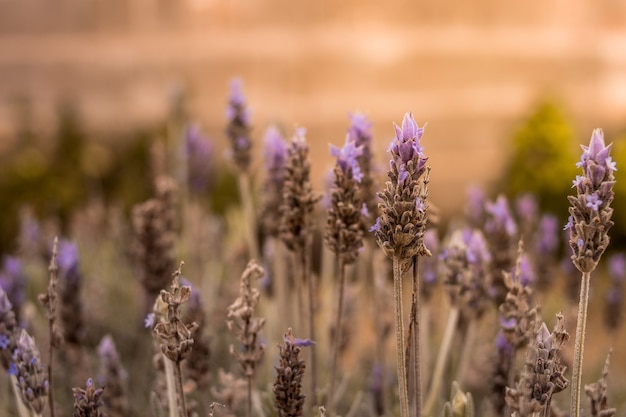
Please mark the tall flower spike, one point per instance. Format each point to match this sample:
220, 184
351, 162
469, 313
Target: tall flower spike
400, 228
590, 210
238, 127
590, 221
344, 235
288, 397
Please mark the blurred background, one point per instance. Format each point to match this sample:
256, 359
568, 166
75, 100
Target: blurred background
86, 84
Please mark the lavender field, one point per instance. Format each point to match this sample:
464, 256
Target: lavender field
217, 210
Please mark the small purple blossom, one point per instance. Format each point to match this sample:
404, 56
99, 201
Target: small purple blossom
360, 129
507, 323
364, 211
597, 152
376, 226
148, 322
4, 341
406, 145
347, 158
593, 201
419, 205
502, 344
477, 252
300, 342
570, 223
526, 272
12, 369
67, 256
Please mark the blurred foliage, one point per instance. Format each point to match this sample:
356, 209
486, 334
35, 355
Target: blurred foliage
56, 175
543, 160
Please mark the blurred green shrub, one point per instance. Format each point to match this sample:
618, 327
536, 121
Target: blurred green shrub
56, 175
543, 160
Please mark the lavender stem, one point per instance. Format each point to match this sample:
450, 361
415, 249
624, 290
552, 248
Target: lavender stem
577, 366
336, 338
400, 352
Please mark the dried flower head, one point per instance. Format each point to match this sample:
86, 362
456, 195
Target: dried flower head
31, 374
344, 232
173, 336
400, 228
590, 211
298, 196
597, 394
288, 396
238, 127
87, 401
242, 323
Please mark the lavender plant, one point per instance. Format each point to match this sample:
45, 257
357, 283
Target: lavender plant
588, 225
87, 401
246, 327
400, 231
71, 308
31, 375
288, 396
344, 232
114, 377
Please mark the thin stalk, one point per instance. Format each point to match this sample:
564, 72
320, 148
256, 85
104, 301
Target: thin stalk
171, 386
22, 410
577, 366
308, 278
53, 269
414, 352
467, 352
245, 192
337, 338
400, 352
179, 386
442, 358
249, 406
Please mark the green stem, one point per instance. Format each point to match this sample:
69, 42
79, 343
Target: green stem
577, 366
245, 192
400, 352
442, 358
337, 338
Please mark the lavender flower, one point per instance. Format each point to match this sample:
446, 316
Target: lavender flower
238, 128
590, 210
30, 373
288, 397
360, 133
400, 228
113, 376
198, 152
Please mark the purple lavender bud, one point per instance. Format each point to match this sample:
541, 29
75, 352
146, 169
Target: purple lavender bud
13, 281
275, 154
593, 201
148, 322
364, 211
347, 158
617, 267
509, 323
406, 145
477, 252
236, 109
527, 208
68, 260
360, 129
548, 237
198, 152
501, 218
376, 226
